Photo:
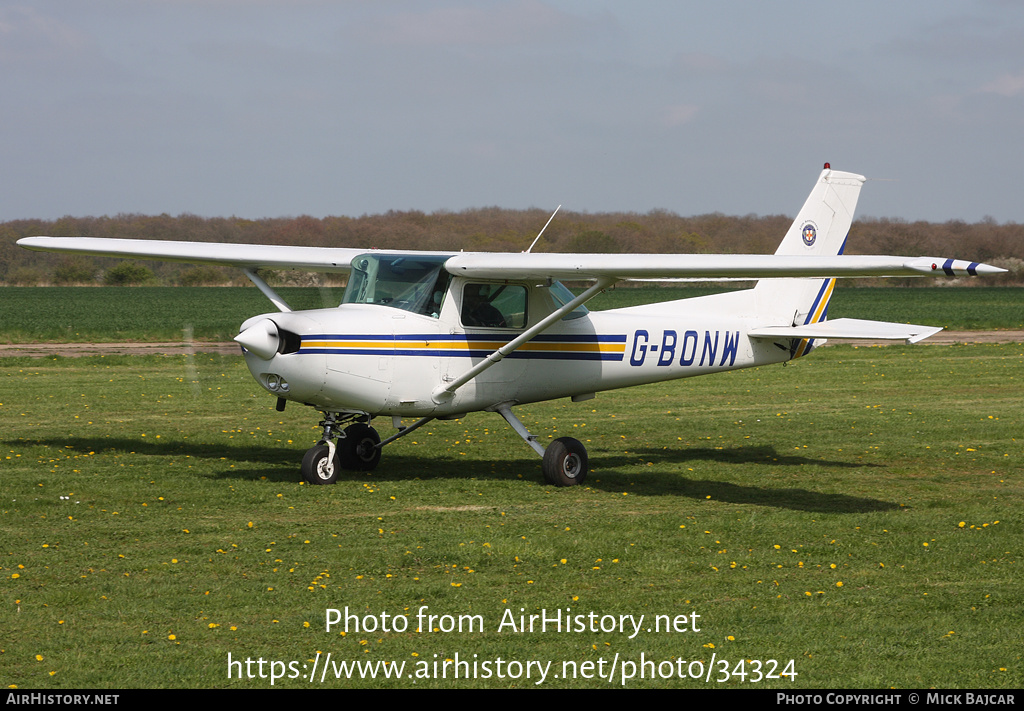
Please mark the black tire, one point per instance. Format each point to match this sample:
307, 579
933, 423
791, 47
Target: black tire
358, 450
565, 462
317, 468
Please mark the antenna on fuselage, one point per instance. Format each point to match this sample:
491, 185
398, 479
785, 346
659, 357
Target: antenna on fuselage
543, 228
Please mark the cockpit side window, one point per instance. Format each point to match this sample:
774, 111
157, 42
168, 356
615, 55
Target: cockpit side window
415, 283
494, 305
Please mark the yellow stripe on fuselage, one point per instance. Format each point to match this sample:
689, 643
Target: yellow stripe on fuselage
823, 304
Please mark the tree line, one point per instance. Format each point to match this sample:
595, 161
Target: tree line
483, 229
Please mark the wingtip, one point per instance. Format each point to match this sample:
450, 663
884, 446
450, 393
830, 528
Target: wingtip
952, 267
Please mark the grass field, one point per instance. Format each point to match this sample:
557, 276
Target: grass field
65, 314
857, 512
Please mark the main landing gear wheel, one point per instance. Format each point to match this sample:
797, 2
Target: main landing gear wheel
318, 467
358, 450
565, 462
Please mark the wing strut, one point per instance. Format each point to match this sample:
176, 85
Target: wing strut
263, 286
445, 391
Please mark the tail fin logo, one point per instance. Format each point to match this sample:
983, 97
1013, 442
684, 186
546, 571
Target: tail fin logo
810, 233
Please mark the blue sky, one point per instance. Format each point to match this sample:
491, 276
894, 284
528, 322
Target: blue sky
266, 109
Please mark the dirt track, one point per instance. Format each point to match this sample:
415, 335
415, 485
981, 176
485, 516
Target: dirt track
39, 350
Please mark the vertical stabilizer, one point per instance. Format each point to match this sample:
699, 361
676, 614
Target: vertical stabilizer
820, 229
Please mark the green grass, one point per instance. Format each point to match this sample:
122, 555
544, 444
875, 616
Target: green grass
64, 314
746, 498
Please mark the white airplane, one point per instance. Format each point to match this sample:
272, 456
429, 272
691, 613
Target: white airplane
436, 335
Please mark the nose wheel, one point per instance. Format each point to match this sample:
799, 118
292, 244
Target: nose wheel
321, 465
356, 448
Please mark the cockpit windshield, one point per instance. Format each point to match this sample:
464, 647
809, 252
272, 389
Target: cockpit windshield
416, 283
563, 296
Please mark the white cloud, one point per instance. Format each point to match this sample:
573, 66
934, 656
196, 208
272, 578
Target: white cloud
27, 34
679, 114
1006, 85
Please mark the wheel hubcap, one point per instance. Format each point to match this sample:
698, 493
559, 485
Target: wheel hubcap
571, 465
364, 450
325, 468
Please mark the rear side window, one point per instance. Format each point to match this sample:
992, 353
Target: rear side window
494, 305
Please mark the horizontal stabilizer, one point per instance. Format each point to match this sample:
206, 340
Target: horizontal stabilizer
849, 328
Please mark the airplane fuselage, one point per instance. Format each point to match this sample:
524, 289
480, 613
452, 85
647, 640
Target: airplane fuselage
383, 360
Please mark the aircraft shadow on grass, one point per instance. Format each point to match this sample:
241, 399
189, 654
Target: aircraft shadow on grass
618, 472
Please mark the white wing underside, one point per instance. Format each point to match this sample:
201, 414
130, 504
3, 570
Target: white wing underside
506, 266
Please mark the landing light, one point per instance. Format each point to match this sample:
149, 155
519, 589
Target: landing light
275, 383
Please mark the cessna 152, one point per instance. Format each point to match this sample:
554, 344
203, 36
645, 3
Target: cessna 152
439, 334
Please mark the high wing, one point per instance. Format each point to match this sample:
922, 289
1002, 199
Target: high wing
492, 265
225, 254
245, 256
702, 266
